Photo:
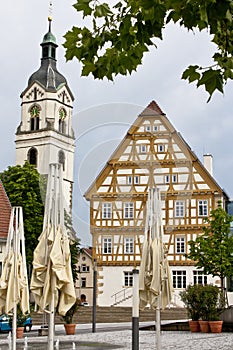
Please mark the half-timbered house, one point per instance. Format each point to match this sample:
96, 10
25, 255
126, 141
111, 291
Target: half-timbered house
152, 153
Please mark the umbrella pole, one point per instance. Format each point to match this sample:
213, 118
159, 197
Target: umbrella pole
14, 323
15, 249
158, 324
51, 317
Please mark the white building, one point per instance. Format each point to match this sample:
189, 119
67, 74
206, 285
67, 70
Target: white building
45, 133
151, 154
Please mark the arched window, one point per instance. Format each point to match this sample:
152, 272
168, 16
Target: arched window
62, 121
35, 118
61, 159
32, 156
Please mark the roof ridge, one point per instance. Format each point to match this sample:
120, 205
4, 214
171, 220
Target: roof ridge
151, 109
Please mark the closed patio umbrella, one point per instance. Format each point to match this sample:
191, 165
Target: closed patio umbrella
155, 287
52, 282
14, 282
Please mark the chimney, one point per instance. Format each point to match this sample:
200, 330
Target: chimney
208, 163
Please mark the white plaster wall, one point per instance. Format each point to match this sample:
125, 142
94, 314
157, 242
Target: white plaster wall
111, 281
189, 280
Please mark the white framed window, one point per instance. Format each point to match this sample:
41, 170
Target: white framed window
174, 178
136, 180
128, 279
128, 245
155, 128
167, 178
85, 268
106, 210
180, 245
83, 282
107, 245
143, 148
148, 128
203, 208
179, 279
129, 180
161, 148
179, 209
128, 210
199, 278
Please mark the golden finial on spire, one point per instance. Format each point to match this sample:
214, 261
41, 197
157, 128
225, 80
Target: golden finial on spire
50, 11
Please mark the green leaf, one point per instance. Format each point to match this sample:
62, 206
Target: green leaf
191, 73
102, 10
88, 68
83, 5
212, 80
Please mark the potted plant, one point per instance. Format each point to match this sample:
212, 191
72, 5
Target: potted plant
68, 318
210, 309
21, 319
191, 297
212, 296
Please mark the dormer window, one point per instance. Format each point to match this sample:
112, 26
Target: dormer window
62, 122
35, 118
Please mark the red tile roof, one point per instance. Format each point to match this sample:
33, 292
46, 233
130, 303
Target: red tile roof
88, 251
152, 109
5, 212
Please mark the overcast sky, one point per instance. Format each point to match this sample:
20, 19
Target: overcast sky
103, 110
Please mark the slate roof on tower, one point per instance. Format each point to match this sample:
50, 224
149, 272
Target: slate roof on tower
5, 212
47, 75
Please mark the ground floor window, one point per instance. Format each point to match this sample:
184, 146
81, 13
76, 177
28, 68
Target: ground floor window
199, 278
179, 279
128, 279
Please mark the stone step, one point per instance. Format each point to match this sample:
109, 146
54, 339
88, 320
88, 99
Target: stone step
114, 315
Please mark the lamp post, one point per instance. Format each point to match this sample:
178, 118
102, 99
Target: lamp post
94, 296
135, 311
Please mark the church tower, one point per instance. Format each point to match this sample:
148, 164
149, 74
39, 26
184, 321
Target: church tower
45, 133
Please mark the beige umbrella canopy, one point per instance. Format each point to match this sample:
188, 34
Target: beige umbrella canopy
52, 257
14, 282
52, 282
155, 287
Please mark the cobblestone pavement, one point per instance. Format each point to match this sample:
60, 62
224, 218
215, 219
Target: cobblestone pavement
116, 337
169, 340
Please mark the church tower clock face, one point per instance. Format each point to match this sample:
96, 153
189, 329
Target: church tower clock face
45, 133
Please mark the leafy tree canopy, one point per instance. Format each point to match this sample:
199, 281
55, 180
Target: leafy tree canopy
118, 35
213, 251
22, 187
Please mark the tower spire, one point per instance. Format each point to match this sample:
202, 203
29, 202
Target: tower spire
50, 16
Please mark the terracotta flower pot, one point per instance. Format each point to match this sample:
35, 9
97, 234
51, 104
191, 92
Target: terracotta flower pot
216, 326
204, 326
70, 328
19, 332
194, 326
